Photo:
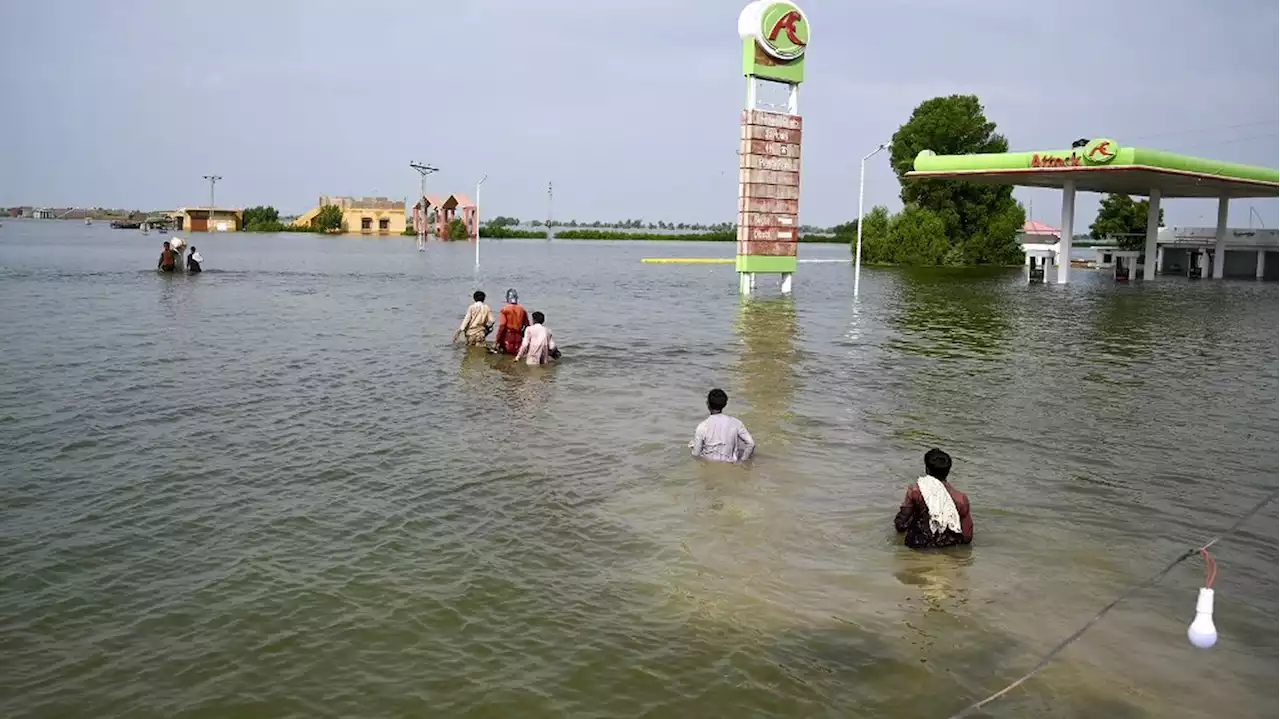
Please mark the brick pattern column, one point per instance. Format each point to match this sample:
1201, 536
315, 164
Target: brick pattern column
769, 187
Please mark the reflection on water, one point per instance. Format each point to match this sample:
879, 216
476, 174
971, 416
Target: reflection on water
945, 312
941, 576
765, 368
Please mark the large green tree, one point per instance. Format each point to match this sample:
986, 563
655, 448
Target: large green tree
1124, 219
918, 237
979, 219
329, 219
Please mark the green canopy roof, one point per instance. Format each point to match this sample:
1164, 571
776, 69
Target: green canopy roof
1104, 166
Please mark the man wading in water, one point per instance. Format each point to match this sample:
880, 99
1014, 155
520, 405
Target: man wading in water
934, 514
477, 323
720, 437
512, 322
168, 259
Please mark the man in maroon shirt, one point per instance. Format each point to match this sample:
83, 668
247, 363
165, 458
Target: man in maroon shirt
949, 522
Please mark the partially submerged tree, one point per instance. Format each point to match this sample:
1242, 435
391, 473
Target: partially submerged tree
458, 229
979, 218
329, 219
262, 218
1122, 218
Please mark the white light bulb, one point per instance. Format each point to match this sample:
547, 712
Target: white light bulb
1202, 633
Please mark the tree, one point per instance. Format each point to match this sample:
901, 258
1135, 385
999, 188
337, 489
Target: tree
917, 237
1123, 219
262, 219
329, 219
847, 231
971, 213
875, 236
458, 229
501, 221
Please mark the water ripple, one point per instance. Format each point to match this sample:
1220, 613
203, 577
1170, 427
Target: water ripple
274, 490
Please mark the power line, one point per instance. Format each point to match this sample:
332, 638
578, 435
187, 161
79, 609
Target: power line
1134, 590
1205, 129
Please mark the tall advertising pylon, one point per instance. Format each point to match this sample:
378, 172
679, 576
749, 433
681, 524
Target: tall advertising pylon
774, 36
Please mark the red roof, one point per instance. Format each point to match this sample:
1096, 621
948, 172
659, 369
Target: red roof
1035, 227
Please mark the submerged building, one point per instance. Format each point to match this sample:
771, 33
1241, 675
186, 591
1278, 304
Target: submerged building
432, 215
1247, 253
364, 215
204, 219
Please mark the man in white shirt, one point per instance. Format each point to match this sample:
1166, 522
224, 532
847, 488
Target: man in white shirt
538, 347
720, 437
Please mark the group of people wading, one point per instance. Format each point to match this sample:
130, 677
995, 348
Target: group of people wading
171, 258
933, 514
519, 333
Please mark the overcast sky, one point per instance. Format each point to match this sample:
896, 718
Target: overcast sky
630, 108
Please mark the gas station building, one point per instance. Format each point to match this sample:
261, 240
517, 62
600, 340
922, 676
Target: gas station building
1103, 166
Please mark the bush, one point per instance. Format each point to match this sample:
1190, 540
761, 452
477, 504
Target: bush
328, 220
458, 229
719, 236
875, 236
499, 232
262, 219
918, 237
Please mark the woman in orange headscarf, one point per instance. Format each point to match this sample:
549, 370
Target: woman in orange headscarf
512, 322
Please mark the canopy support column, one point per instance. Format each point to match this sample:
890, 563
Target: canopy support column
1068, 220
1260, 269
1153, 232
1220, 245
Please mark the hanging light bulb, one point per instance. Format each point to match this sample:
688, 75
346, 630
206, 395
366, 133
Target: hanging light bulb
1202, 633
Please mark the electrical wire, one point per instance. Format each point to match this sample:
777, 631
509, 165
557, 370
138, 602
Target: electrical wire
1210, 569
1217, 129
1204, 549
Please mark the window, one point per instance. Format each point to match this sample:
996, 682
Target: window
384, 224
1106, 257
366, 223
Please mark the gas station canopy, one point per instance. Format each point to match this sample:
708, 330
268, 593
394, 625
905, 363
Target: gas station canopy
1104, 166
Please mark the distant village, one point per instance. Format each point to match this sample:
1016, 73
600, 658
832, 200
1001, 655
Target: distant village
362, 215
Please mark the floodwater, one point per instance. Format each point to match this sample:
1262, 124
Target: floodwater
274, 490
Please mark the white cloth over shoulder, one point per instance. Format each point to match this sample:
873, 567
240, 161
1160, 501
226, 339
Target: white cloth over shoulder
942, 508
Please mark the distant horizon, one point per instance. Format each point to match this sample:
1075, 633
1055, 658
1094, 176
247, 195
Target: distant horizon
534, 93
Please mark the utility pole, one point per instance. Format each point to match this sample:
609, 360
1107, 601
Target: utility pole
550, 197
213, 180
423, 170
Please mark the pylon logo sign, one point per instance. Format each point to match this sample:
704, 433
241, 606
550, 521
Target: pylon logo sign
1100, 151
782, 31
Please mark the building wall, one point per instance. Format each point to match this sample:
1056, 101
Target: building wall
385, 216
380, 222
195, 221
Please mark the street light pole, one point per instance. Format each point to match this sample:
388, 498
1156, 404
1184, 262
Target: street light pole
478, 184
862, 181
213, 180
